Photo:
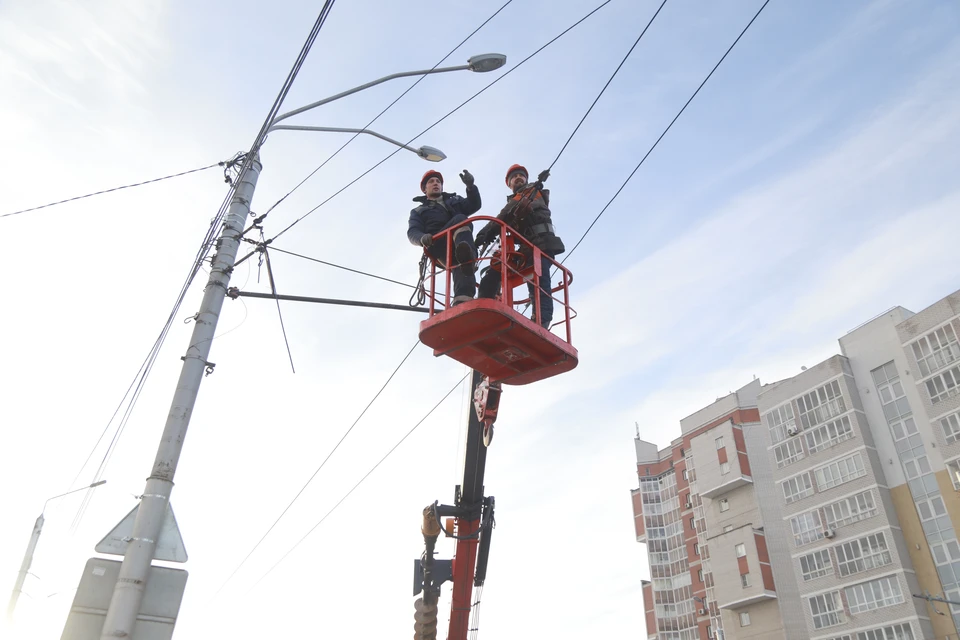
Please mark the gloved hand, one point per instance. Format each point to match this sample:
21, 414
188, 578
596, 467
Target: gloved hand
543, 176
485, 235
426, 239
467, 178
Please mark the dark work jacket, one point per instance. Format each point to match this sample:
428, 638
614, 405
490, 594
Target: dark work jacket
530, 215
432, 217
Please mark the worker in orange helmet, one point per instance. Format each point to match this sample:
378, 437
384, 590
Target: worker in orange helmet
438, 211
528, 211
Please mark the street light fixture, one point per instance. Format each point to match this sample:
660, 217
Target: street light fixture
486, 62
34, 538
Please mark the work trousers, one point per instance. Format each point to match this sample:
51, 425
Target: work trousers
490, 288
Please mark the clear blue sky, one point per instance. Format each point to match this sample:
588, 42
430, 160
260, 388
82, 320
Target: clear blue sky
810, 185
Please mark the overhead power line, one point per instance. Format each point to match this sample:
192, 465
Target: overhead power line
616, 71
337, 266
450, 113
245, 160
361, 480
126, 186
387, 108
316, 471
390, 378
679, 113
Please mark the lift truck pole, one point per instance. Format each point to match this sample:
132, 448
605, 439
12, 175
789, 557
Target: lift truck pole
472, 515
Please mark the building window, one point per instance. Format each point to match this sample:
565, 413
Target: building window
709, 632
826, 609
931, 508
788, 453
696, 549
820, 405
728, 527
796, 488
875, 594
828, 435
719, 442
780, 421
916, 467
863, 554
946, 553
724, 468
901, 631
700, 575
724, 504
936, 350
954, 468
951, 427
744, 580
840, 471
815, 565
806, 528
693, 526
741, 550
946, 385
682, 453
684, 474
850, 510
744, 619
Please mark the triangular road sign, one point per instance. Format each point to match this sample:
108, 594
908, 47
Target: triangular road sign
169, 544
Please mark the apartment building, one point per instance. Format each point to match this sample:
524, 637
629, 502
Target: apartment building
836, 490
697, 511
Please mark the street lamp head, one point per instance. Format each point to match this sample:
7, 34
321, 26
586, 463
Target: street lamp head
431, 154
97, 484
487, 62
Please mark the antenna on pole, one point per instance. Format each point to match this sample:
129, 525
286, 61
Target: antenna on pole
638, 429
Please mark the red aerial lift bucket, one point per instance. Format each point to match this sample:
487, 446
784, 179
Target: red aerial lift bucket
492, 337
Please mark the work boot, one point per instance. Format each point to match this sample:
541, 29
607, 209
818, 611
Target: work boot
460, 300
545, 323
467, 258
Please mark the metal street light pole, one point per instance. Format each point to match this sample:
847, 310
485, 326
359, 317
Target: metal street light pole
134, 571
32, 546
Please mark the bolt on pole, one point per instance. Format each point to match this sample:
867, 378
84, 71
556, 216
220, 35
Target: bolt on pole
128, 593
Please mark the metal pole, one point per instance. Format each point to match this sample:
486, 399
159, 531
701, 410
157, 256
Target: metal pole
297, 127
128, 593
25, 566
350, 303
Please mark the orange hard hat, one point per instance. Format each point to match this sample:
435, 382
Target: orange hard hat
515, 169
429, 174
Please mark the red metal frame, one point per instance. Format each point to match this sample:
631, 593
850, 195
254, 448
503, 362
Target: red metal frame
464, 564
491, 335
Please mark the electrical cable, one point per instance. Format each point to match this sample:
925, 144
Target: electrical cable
359, 482
457, 108
619, 66
387, 108
682, 109
273, 289
209, 239
314, 475
331, 264
126, 186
